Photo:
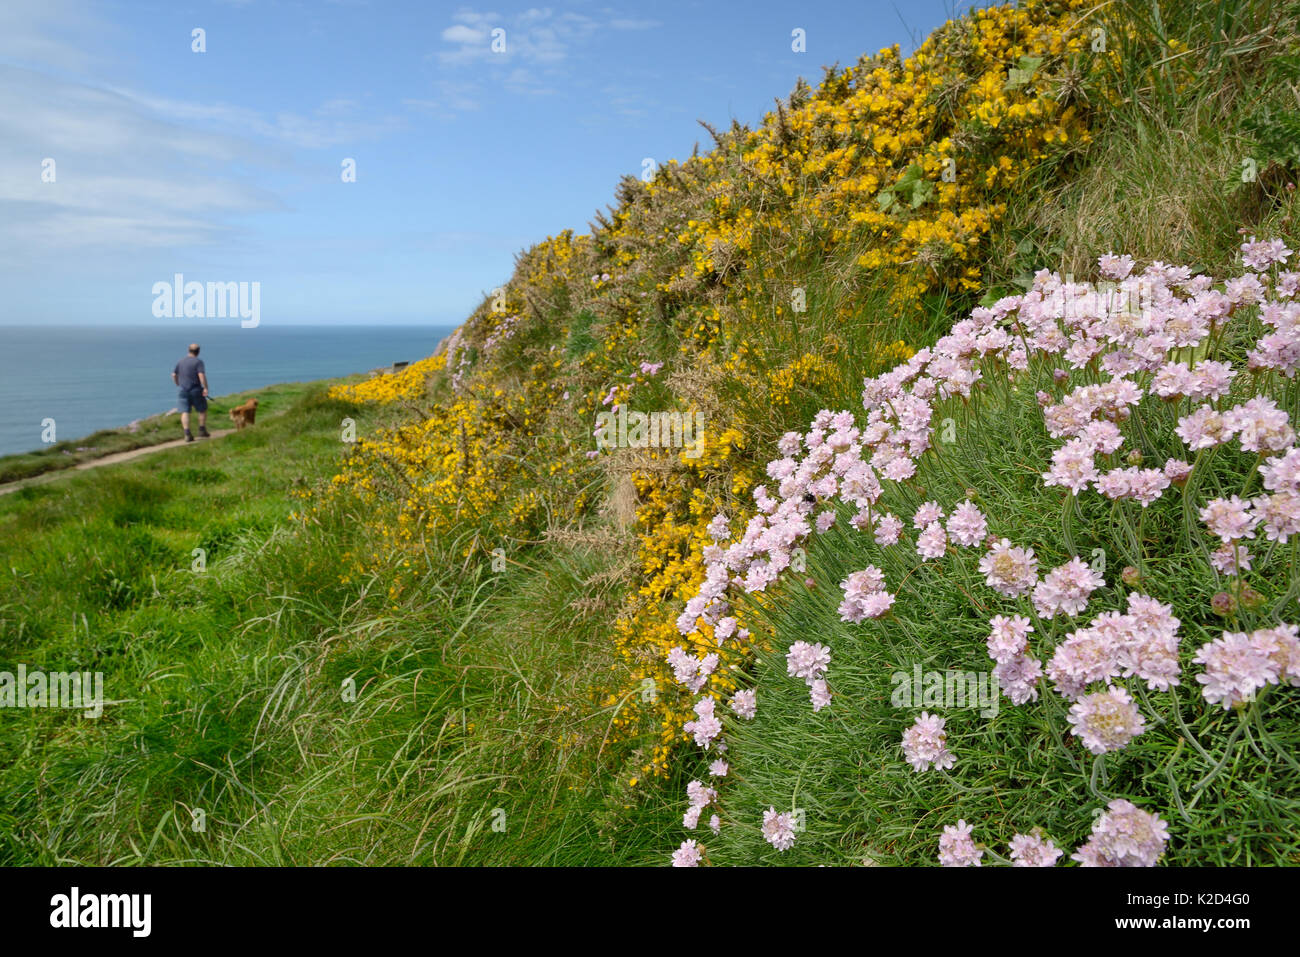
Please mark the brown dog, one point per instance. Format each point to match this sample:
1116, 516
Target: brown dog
245, 414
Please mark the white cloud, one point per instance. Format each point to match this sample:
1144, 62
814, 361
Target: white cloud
537, 35
539, 45
464, 35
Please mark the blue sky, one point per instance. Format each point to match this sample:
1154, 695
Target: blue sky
225, 165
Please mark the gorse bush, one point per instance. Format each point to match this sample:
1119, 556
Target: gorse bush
743, 269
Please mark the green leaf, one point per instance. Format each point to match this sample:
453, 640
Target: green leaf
1023, 72
921, 191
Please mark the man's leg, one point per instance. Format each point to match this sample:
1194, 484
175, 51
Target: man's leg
185, 421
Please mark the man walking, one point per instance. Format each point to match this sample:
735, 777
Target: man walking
191, 378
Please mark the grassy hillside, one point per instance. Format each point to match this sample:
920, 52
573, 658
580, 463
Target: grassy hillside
479, 638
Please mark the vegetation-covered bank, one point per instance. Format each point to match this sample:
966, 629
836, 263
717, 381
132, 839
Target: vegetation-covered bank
502, 626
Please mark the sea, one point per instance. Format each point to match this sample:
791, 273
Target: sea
88, 378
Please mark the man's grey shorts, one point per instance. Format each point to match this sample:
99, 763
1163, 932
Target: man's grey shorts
192, 400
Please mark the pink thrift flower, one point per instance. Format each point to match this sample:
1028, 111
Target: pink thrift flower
888, 529
1017, 677
1231, 559
1066, 589
1106, 721
1009, 637
778, 829
688, 855
932, 542
1124, 836
925, 744
1073, 466
807, 661
1236, 667
967, 525
745, 704
1033, 850
1228, 518
1202, 429
820, 693
1009, 570
927, 514
957, 847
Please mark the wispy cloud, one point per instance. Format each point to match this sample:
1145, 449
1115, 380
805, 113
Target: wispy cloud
626, 24
122, 174
335, 122
55, 34
133, 169
531, 55
538, 36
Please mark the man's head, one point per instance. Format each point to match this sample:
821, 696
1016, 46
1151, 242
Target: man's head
194, 348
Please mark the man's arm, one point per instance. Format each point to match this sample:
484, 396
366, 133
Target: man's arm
203, 381
175, 381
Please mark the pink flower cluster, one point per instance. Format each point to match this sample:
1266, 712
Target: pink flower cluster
810, 662
1238, 665
1065, 590
865, 595
1106, 720
1009, 570
689, 671
706, 726
778, 829
1124, 836
1034, 850
925, 744
1142, 643
957, 848
745, 704
967, 525
688, 855
1016, 670
700, 797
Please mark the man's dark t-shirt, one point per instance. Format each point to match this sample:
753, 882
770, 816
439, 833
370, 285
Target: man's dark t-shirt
187, 373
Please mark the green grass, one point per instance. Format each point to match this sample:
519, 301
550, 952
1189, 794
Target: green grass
227, 684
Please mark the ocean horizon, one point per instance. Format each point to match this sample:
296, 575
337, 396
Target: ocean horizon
88, 378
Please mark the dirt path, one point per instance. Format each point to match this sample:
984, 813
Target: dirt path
112, 459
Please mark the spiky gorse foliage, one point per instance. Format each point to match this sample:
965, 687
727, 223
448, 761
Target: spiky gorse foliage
904, 161
887, 176
1167, 399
